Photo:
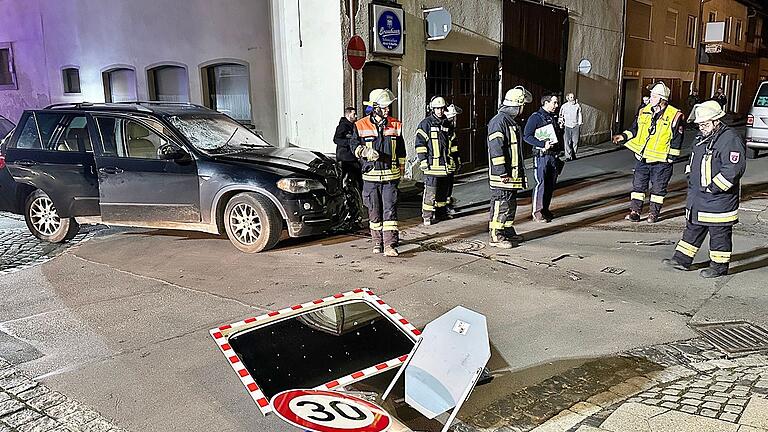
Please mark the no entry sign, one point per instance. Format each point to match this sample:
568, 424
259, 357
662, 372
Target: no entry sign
328, 411
356, 52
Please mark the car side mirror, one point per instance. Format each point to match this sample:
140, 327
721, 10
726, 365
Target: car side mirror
171, 152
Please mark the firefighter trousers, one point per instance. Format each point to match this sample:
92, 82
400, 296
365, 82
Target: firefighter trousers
720, 245
381, 201
658, 175
502, 215
435, 200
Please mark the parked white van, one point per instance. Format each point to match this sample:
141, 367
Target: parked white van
757, 122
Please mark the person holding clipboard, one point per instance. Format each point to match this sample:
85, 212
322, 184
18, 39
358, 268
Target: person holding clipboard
541, 134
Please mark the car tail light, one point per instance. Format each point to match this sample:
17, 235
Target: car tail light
750, 120
2, 161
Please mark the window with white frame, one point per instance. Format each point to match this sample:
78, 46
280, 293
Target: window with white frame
71, 80
728, 28
7, 71
168, 83
120, 85
737, 33
639, 25
690, 32
670, 27
712, 16
227, 90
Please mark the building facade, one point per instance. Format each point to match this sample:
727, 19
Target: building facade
281, 67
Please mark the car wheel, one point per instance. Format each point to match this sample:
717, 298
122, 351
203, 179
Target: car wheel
44, 222
252, 222
752, 153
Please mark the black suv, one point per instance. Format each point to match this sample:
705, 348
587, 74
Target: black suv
164, 165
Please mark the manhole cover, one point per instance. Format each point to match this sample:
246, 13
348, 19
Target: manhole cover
455, 246
734, 337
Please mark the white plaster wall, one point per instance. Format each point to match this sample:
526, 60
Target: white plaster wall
97, 34
310, 71
20, 25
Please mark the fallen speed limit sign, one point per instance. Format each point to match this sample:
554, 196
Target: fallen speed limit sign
328, 411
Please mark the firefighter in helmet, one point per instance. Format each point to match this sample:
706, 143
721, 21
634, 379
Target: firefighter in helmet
378, 144
714, 172
656, 138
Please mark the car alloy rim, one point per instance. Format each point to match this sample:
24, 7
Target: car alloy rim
245, 223
43, 215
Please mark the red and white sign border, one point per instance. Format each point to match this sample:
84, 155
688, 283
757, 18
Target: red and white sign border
221, 336
295, 420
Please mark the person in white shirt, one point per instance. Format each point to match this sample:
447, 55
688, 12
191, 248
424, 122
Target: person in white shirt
571, 120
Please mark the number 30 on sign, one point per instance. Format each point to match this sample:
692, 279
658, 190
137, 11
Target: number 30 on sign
328, 411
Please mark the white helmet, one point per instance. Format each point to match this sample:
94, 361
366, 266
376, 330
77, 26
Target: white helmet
452, 111
660, 89
517, 97
437, 102
706, 111
380, 98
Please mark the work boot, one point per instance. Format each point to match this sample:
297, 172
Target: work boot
377, 249
674, 264
652, 218
390, 252
538, 217
501, 244
633, 216
710, 272
547, 215
427, 222
512, 235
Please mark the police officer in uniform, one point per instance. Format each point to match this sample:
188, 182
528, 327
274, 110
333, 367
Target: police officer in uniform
378, 143
506, 168
714, 172
434, 140
655, 138
545, 159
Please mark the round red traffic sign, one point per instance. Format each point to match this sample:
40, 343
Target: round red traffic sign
356, 52
329, 411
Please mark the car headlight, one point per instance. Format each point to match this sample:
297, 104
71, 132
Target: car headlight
299, 185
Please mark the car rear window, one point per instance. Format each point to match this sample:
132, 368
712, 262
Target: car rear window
314, 348
761, 100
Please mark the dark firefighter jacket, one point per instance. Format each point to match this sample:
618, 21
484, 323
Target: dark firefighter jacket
386, 139
505, 153
436, 147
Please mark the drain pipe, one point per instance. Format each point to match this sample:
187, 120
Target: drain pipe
353, 72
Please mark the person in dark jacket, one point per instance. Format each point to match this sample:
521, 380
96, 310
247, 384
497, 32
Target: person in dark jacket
714, 172
434, 140
543, 138
506, 168
343, 137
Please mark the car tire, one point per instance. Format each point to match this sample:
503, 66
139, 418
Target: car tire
252, 222
44, 222
752, 153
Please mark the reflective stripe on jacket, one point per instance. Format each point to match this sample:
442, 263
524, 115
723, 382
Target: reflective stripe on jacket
435, 146
386, 139
715, 169
656, 138
505, 153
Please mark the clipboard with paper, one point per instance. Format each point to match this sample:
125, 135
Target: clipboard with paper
547, 133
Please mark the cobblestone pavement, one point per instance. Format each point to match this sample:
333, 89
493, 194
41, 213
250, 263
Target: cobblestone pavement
19, 249
27, 406
686, 382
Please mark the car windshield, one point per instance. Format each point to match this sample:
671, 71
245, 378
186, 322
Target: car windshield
216, 133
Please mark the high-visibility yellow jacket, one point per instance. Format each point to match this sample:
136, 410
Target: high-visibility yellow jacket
656, 137
386, 139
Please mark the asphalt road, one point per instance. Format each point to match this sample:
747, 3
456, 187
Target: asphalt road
121, 321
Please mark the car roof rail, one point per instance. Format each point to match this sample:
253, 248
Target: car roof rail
189, 104
69, 105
